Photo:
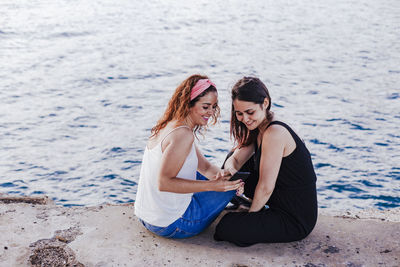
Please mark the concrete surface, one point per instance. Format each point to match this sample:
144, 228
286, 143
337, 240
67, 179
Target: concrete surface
39, 233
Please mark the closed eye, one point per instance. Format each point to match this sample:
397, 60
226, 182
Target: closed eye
250, 112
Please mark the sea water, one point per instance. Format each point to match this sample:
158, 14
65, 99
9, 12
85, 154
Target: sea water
83, 82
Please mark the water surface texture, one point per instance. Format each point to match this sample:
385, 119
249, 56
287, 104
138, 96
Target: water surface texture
82, 83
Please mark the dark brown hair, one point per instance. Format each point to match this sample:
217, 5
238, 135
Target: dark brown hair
248, 89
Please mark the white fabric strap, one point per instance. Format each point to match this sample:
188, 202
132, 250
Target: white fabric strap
183, 126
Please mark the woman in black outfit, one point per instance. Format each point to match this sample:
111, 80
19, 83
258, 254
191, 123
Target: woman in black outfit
282, 174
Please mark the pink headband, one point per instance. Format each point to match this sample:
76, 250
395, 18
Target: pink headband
200, 87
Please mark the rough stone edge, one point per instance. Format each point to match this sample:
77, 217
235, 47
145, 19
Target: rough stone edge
389, 215
42, 200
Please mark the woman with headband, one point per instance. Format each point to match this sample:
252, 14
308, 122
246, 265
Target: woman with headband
180, 193
282, 174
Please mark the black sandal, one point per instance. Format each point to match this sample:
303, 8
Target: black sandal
238, 201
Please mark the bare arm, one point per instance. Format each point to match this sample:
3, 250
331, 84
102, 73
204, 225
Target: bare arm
273, 144
176, 147
238, 158
205, 167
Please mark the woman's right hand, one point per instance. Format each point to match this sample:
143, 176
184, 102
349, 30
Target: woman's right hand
221, 184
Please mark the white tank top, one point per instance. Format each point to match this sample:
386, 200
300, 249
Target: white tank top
156, 207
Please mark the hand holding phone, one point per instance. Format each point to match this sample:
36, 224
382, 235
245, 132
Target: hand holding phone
240, 175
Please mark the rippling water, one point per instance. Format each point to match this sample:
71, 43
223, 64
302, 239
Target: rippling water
82, 82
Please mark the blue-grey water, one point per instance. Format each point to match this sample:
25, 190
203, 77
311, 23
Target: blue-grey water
82, 83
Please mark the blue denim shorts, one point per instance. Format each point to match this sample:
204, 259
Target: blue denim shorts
203, 209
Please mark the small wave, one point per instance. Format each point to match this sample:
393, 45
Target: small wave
366, 58
325, 82
114, 152
394, 174
52, 174
82, 118
70, 205
356, 126
69, 34
393, 96
128, 182
369, 183
277, 105
333, 147
310, 124
359, 127
133, 161
394, 71
321, 165
142, 76
74, 178
90, 185
340, 188
117, 150
110, 176
312, 92
153, 75
381, 144
105, 102
126, 106
82, 126
384, 200
8, 184
334, 119
385, 205
317, 142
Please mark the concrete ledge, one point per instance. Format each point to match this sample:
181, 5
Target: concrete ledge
110, 235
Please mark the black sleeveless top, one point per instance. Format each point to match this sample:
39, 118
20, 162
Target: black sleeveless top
295, 188
293, 209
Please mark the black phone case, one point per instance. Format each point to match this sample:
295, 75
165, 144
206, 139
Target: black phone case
240, 175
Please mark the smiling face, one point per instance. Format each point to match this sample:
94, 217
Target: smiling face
249, 113
203, 109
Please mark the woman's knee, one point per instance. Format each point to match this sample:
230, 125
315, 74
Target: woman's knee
228, 227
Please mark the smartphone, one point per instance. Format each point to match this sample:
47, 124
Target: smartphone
240, 175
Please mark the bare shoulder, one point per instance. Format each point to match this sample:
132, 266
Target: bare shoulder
276, 132
277, 136
181, 136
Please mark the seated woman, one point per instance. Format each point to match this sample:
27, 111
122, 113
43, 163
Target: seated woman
170, 201
282, 174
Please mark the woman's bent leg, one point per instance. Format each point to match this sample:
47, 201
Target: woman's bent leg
248, 228
161, 231
202, 211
